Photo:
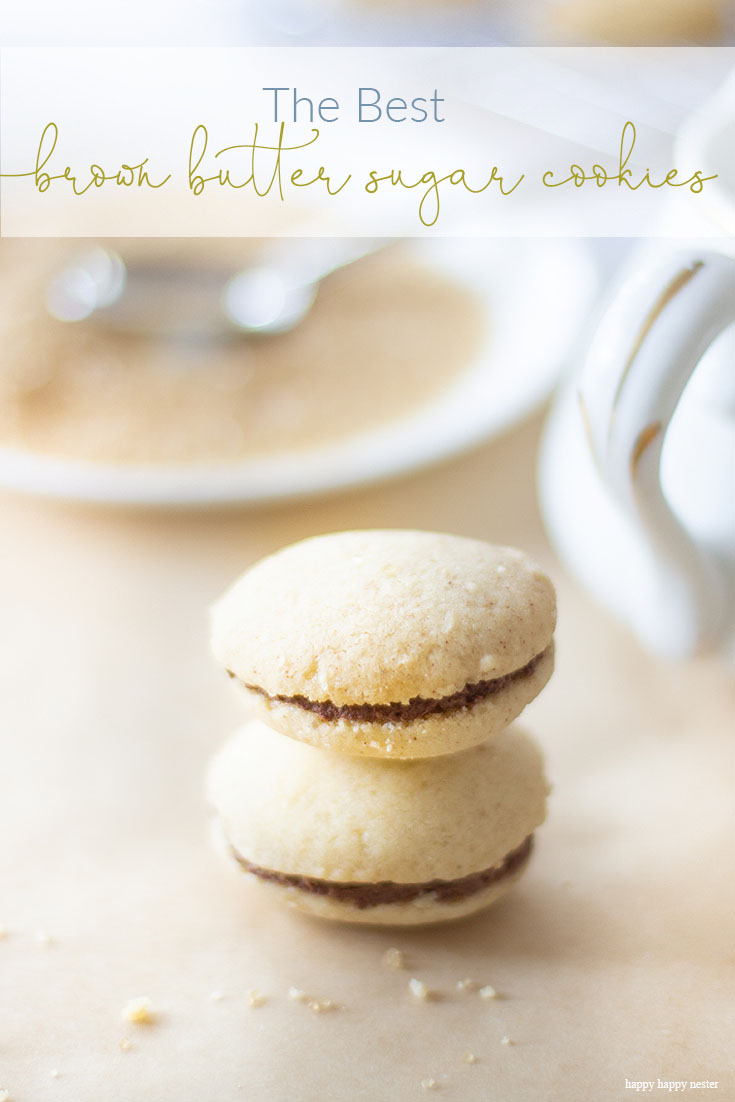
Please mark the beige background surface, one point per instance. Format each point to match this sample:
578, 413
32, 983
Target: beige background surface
614, 955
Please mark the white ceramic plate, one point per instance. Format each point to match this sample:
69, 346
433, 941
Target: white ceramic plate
537, 294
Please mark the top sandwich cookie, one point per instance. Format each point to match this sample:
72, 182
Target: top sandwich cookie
389, 643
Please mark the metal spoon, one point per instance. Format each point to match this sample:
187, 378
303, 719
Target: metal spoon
191, 300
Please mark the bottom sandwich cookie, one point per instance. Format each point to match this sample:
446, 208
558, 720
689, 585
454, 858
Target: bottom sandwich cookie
375, 841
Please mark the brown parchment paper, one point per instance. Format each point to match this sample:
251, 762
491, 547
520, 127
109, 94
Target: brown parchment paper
613, 957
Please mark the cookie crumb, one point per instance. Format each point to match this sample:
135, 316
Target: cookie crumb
469, 1058
5, 1096
419, 990
297, 995
216, 996
320, 1006
467, 985
254, 998
125, 1044
429, 1084
487, 992
44, 938
506, 1041
138, 1011
3, 931
394, 958
54, 1073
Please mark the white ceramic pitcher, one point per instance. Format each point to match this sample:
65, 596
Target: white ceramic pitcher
637, 466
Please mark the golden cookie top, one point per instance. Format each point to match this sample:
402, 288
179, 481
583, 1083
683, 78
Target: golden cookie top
383, 617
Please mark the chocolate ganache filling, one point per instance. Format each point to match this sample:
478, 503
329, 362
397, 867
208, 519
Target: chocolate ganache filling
415, 708
388, 891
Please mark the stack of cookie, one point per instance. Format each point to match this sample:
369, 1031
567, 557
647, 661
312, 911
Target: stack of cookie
394, 661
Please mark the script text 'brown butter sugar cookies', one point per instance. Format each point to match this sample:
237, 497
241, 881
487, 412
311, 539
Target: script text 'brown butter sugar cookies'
390, 643
371, 841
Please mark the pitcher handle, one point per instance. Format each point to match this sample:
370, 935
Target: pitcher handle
648, 345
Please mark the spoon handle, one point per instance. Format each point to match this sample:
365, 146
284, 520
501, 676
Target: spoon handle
201, 301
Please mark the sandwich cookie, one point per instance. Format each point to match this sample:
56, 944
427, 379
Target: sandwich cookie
389, 643
365, 840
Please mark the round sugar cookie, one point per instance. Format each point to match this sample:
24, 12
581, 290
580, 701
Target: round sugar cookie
389, 643
374, 841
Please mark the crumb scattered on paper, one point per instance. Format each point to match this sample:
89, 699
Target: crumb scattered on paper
125, 1044
321, 1006
487, 992
469, 1058
318, 1006
254, 998
43, 938
419, 990
394, 958
139, 1011
429, 1084
467, 985
216, 996
506, 1041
